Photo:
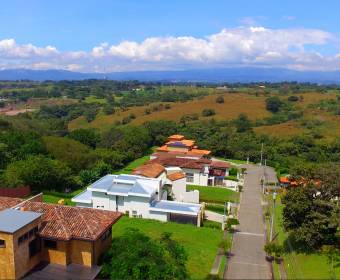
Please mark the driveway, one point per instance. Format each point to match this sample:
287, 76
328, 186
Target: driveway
247, 258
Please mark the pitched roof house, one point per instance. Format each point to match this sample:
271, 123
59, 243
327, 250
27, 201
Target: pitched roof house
32, 233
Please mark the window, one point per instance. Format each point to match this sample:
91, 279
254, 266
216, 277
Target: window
2, 243
34, 247
134, 213
51, 244
190, 177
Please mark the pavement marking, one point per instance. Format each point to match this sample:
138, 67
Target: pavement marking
250, 233
254, 264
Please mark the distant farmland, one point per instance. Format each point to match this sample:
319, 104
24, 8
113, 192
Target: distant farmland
233, 105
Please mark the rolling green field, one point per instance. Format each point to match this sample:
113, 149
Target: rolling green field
200, 249
215, 194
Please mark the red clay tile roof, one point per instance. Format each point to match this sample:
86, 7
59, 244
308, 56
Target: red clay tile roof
176, 176
150, 170
175, 137
182, 162
220, 164
284, 180
8, 202
65, 222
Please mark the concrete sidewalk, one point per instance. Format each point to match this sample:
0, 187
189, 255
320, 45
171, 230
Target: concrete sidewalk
247, 257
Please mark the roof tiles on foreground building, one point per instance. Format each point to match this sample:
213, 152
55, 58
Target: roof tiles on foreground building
63, 222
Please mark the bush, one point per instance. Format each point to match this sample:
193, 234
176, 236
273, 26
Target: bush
273, 104
220, 99
293, 98
208, 112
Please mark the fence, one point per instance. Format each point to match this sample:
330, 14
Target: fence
21, 192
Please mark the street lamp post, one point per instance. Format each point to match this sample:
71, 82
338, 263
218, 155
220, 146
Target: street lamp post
273, 216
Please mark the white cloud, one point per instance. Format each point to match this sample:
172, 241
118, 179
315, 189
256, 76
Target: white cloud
241, 46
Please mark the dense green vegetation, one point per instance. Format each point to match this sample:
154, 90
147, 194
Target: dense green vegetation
200, 250
135, 255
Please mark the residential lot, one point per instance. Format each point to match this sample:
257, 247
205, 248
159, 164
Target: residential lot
200, 249
215, 194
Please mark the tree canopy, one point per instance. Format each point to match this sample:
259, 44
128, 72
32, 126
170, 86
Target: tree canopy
136, 256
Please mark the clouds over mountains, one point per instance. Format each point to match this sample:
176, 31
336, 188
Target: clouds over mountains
298, 48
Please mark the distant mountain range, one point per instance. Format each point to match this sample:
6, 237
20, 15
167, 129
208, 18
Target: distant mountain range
199, 75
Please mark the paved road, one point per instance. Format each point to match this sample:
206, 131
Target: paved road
247, 258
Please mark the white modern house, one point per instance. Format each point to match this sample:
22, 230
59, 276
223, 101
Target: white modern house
137, 196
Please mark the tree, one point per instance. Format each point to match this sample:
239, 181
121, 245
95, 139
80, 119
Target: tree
220, 99
310, 216
38, 172
273, 104
75, 154
136, 256
88, 137
208, 112
242, 123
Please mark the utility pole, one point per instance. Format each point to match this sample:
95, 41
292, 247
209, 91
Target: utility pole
261, 153
273, 217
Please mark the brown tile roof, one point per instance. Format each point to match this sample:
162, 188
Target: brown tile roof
200, 152
175, 137
8, 202
182, 162
176, 176
150, 170
65, 222
220, 164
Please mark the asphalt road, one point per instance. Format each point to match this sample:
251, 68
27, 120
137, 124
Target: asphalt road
247, 258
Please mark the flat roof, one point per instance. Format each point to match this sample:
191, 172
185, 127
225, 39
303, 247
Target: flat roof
176, 207
83, 197
13, 220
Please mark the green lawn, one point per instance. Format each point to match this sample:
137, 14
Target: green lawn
132, 165
54, 197
93, 99
215, 194
218, 208
302, 266
200, 243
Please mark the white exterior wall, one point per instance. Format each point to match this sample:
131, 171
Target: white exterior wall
86, 205
192, 196
125, 203
180, 193
179, 188
100, 201
200, 179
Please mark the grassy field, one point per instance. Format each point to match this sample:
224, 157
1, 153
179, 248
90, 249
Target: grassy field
132, 165
302, 266
215, 194
54, 197
233, 105
93, 99
200, 249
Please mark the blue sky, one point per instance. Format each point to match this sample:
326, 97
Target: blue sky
74, 28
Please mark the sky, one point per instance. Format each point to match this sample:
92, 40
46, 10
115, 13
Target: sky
137, 35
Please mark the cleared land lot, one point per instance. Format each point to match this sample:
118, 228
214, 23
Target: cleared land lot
200, 249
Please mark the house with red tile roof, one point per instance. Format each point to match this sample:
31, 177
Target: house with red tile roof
178, 144
33, 233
